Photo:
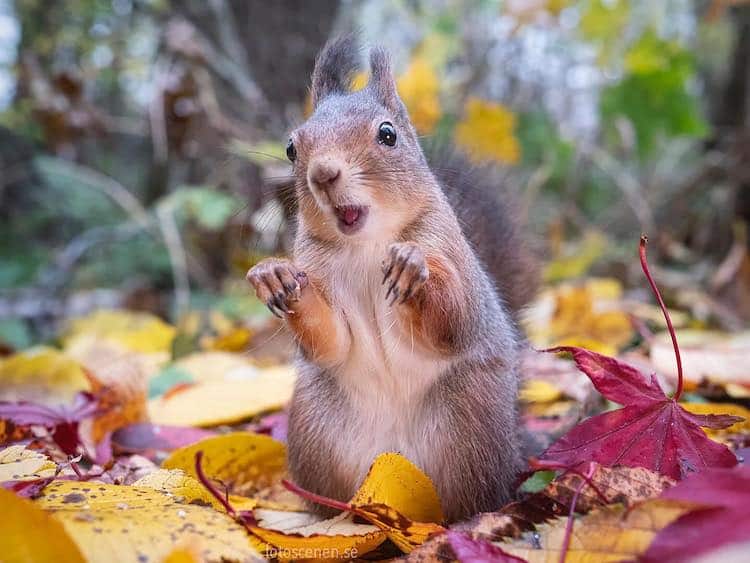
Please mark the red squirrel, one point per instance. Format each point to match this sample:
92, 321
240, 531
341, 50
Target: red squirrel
405, 343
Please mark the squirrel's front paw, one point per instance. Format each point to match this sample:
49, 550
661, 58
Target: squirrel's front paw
405, 271
278, 283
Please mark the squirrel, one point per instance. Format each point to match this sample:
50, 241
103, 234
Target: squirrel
405, 342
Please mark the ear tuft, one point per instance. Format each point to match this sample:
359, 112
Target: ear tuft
335, 67
382, 84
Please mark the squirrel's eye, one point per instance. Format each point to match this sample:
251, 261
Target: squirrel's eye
291, 152
387, 134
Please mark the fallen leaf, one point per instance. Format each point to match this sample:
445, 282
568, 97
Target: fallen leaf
62, 421
538, 391
241, 461
127, 523
723, 519
473, 550
732, 409
305, 536
717, 356
145, 438
610, 533
30, 535
138, 332
240, 395
17, 463
395, 496
43, 376
651, 430
177, 482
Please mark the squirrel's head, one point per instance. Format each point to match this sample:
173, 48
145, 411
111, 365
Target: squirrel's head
359, 169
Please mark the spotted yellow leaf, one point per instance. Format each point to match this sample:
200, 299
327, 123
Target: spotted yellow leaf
20, 464
31, 535
129, 523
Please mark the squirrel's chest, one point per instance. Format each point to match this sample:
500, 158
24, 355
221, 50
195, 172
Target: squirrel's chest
386, 360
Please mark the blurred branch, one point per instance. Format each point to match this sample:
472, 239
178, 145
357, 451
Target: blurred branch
628, 185
177, 257
228, 36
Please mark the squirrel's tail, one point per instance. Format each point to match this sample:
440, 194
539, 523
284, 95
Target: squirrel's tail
490, 222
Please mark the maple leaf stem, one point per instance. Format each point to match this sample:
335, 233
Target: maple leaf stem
573, 502
670, 327
546, 465
206, 482
325, 501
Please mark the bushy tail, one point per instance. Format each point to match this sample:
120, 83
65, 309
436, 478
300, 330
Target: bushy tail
489, 220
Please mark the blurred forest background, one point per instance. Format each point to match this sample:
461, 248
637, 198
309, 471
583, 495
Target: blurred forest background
142, 141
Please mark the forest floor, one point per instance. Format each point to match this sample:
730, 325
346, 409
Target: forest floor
166, 443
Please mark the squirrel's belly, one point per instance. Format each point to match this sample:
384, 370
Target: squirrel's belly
385, 378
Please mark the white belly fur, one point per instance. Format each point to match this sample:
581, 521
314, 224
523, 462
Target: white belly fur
387, 371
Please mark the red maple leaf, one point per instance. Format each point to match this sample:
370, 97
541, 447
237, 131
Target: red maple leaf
722, 519
651, 430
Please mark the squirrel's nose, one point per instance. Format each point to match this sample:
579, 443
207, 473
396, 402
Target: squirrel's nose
325, 174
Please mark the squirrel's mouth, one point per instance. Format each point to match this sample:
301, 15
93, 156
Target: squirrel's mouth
351, 218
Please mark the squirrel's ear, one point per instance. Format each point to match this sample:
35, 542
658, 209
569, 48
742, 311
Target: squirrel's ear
334, 68
382, 84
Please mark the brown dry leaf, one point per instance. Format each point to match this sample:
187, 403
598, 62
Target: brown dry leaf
42, 375
606, 534
31, 535
241, 461
128, 523
626, 485
119, 382
20, 464
237, 394
717, 356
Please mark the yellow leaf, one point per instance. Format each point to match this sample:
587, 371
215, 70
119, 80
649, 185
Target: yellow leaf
611, 533
304, 536
400, 500
359, 81
242, 461
42, 375
396, 482
539, 391
138, 332
733, 409
177, 482
487, 132
419, 89
19, 464
225, 401
188, 554
581, 316
576, 259
125, 523
30, 535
